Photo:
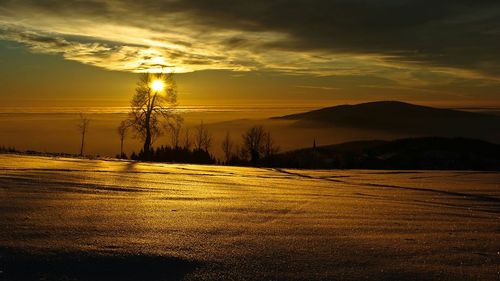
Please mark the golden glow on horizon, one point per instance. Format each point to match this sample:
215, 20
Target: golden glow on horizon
157, 85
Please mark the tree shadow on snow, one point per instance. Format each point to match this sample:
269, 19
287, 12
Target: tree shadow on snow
87, 266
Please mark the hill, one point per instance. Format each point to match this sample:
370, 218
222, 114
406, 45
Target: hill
395, 116
429, 153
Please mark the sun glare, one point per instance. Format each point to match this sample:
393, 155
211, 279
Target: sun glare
157, 85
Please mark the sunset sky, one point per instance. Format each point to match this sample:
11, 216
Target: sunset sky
71, 52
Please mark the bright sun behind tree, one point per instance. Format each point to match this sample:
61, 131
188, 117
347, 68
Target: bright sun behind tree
157, 85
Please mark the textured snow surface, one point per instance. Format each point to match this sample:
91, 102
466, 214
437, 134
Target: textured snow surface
232, 223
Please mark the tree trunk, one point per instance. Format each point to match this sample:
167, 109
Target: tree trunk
83, 142
147, 141
121, 148
255, 158
147, 144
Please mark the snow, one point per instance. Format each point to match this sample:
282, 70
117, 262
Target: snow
234, 223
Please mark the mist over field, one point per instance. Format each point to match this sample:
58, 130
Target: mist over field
54, 129
50, 130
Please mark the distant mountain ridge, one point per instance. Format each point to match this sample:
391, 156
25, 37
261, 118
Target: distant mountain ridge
403, 117
428, 153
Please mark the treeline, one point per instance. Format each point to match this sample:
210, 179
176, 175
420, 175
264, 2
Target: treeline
256, 147
184, 147
5, 149
177, 155
425, 153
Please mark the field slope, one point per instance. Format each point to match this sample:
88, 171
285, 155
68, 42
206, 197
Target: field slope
71, 219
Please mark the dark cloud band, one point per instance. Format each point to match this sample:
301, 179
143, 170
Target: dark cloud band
457, 34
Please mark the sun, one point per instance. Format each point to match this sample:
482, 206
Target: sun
157, 85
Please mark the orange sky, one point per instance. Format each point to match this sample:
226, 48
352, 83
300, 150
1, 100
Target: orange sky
73, 53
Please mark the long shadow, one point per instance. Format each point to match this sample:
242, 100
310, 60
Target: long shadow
86, 266
475, 197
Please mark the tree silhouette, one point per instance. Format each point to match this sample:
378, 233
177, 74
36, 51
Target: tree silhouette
269, 147
259, 147
152, 107
227, 147
122, 132
253, 141
83, 126
175, 129
187, 139
202, 138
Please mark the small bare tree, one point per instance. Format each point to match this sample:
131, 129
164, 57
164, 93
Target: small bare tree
187, 139
122, 132
269, 148
175, 128
253, 141
83, 126
227, 148
203, 138
152, 106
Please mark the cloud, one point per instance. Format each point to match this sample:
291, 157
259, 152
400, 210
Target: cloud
412, 42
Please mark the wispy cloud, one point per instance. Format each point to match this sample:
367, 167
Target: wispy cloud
319, 88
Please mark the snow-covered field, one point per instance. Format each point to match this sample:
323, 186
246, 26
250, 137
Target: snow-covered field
71, 219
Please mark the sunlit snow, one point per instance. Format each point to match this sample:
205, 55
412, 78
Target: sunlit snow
257, 224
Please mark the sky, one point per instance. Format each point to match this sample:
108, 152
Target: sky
73, 52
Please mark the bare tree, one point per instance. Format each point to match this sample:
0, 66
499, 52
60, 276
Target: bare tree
227, 147
269, 148
175, 129
253, 141
187, 139
203, 138
83, 126
122, 132
152, 106
240, 153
